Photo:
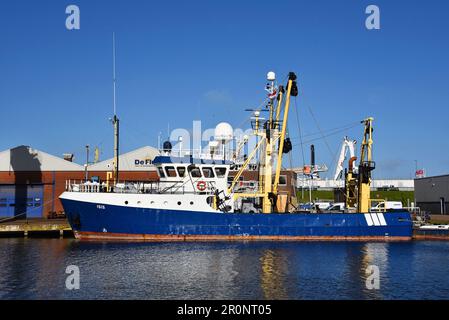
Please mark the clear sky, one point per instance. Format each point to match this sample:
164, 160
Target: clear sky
179, 61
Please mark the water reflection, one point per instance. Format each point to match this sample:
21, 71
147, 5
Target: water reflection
274, 266
358, 262
35, 269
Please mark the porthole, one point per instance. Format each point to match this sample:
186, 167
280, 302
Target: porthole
152, 202
191, 203
179, 203
126, 202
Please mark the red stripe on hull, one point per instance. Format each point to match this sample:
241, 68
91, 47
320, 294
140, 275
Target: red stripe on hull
430, 237
155, 237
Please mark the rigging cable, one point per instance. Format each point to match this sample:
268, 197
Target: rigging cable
343, 129
332, 130
300, 134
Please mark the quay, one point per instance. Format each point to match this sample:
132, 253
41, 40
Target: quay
36, 228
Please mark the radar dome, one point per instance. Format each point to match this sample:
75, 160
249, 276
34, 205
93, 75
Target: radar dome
224, 131
271, 76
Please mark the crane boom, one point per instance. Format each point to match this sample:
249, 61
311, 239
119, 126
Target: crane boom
345, 146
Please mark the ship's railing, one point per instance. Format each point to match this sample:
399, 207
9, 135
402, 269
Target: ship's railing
413, 210
377, 201
218, 154
246, 186
156, 187
199, 154
84, 186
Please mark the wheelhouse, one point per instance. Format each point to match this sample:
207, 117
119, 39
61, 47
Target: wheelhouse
198, 175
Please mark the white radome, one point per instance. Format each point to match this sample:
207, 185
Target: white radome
271, 76
224, 131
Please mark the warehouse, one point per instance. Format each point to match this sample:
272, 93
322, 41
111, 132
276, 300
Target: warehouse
32, 180
29, 181
432, 194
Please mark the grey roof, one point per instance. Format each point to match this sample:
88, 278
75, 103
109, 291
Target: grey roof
25, 158
137, 160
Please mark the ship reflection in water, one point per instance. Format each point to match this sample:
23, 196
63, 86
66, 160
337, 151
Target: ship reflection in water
35, 269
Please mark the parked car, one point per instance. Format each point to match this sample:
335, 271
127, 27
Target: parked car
336, 207
322, 205
387, 206
319, 205
305, 206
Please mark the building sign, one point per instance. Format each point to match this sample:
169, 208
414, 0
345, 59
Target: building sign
420, 173
141, 163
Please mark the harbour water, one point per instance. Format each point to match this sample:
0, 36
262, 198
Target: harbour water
36, 269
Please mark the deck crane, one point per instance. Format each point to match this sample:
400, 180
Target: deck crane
365, 167
357, 184
345, 146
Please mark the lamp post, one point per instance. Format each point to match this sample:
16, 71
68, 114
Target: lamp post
87, 163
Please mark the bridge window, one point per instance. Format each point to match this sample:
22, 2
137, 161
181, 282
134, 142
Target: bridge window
195, 172
171, 172
161, 172
181, 171
208, 173
221, 172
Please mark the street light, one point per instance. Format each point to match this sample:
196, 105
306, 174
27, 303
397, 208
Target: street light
87, 162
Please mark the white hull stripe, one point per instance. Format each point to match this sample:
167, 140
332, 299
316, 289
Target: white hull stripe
368, 219
382, 219
375, 219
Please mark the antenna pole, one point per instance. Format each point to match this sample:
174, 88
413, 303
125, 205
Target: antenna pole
115, 120
113, 71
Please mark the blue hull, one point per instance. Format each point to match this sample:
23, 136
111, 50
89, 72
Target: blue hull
126, 223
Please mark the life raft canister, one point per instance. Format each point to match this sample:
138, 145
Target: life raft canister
201, 185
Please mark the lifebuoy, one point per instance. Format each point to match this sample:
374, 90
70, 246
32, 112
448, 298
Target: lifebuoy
201, 185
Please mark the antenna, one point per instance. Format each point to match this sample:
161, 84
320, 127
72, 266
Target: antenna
115, 120
113, 70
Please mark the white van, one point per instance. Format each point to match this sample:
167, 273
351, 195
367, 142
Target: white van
322, 205
387, 206
336, 207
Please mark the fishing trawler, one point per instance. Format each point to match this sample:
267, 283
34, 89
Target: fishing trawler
195, 200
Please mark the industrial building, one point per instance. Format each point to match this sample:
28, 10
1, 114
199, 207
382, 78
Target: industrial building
432, 194
32, 180
326, 184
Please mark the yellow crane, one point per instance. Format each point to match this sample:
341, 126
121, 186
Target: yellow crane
365, 167
358, 184
269, 133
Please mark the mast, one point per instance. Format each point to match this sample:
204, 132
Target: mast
365, 167
115, 120
292, 90
267, 172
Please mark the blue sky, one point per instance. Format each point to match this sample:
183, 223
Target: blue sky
180, 61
